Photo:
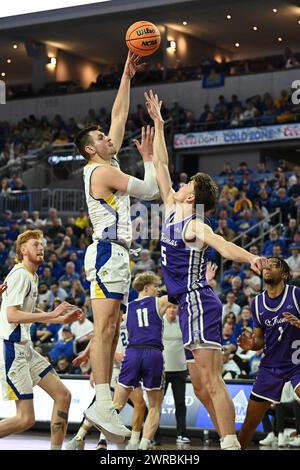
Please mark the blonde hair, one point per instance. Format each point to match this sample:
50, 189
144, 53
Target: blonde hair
141, 280
23, 238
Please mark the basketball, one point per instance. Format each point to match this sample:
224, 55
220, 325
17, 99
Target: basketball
143, 38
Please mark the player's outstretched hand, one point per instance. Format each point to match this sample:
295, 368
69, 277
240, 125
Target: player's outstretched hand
145, 147
258, 264
153, 105
3, 287
246, 341
72, 315
132, 65
292, 319
82, 358
211, 269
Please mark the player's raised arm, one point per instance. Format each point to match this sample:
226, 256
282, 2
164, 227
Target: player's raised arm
160, 153
120, 108
228, 250
113, 178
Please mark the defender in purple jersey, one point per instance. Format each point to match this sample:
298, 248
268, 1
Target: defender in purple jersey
143, 359
276, 315
185, 239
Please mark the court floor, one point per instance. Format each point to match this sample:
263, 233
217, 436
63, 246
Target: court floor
41, 441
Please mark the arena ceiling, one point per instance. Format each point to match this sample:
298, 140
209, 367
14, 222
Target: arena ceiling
85, 30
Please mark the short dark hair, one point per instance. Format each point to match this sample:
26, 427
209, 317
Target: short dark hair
206, 190
83, 138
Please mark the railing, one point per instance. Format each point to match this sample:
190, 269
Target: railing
64, 200
221, 124
274, 221
18, 201
68, 200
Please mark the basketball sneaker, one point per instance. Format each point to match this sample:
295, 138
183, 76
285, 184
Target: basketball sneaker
108, 422
269, 440
183, 440
295, 442
75, 444
282, 440
132, 445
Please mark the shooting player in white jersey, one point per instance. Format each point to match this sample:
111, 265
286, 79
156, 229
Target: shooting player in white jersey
107, 258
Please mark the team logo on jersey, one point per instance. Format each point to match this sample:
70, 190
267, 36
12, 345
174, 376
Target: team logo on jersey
290, 307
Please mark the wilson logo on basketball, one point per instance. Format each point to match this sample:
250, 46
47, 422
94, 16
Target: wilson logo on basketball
140, 32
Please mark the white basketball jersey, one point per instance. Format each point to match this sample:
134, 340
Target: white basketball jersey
110, 217
22, 290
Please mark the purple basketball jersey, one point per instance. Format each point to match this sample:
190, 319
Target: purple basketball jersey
144, 323
183, 267
282, 340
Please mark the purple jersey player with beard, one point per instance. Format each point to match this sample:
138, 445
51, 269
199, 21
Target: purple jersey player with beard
276, 313
185, 238
143, 359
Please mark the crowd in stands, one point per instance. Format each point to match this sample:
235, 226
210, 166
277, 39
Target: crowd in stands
31, 135
247, 196
156, 73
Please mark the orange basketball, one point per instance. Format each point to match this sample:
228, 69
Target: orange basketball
143, 38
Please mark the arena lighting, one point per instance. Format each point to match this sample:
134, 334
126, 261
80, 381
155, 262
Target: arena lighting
255, 28
184, 23
8, 61
279, 39
15, 46
228, 17
237, 44
172, 46
3, 74
275, 10
15, 7
298, 21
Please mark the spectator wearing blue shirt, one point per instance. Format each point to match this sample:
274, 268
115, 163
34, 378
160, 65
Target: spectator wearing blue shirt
223, 214
243, 168
3, 254
66, 280
6, 221
267, 249
246, 321
57, 293
46, 276
46, 333
63, 347
77, 261
246, 222
235, 270
12, 233
55, 265
228, 338
223, 205
282, 201
277, 251
65, 249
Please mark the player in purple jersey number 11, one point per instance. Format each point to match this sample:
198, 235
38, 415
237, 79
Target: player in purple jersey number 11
276, 318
